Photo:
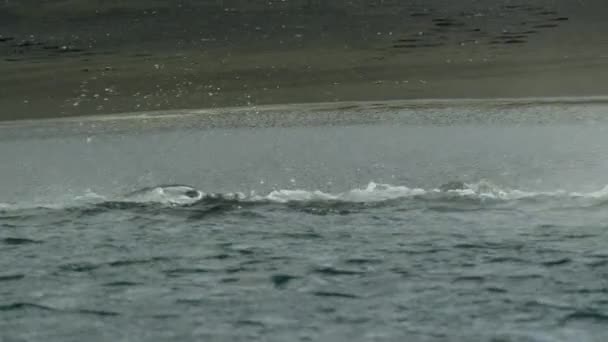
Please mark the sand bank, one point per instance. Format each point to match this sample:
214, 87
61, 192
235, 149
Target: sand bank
113, 57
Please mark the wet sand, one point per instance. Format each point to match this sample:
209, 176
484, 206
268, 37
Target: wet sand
69, 58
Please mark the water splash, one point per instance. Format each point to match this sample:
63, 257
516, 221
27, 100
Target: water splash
183, 195
166, 194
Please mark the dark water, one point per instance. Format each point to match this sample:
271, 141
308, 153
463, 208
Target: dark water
386, 231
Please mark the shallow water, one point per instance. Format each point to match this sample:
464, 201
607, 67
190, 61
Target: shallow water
381, 229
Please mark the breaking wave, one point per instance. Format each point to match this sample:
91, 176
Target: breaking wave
482, 192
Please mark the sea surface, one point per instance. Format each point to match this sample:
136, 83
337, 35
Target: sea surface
426, 221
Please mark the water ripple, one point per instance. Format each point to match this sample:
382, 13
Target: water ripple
280, 281
32, 306
334, 294
331, 271
557, 262
19, 241
11, 277
586, 315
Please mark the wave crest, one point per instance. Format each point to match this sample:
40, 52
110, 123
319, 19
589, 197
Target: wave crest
373, 192
183, 195
166, 194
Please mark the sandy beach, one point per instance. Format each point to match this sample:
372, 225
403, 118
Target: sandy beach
71, 58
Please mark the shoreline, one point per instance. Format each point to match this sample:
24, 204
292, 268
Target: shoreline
35, 94
131, 59
320, 107
503, 112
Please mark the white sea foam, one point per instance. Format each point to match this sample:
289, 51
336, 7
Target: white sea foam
600, 194
487, 190
180, 195
90, 196
373, 192
171, 195
377, 192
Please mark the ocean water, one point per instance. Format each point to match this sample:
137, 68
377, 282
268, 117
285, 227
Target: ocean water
439, 221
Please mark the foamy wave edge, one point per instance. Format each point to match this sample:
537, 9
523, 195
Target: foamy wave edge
377, 192
372, 193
